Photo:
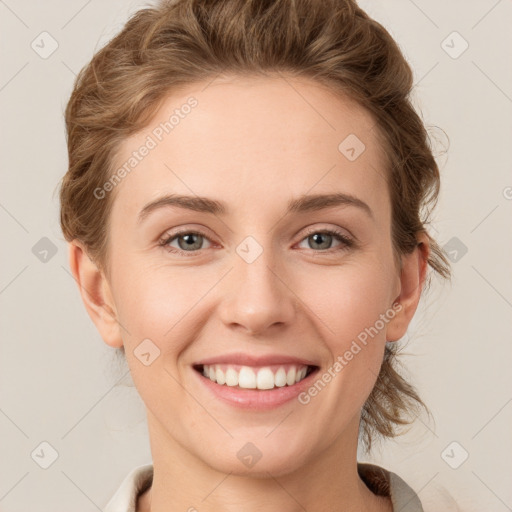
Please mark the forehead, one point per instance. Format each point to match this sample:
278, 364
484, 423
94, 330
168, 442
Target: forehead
253, 142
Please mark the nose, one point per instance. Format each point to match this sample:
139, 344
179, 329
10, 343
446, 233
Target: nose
257, 297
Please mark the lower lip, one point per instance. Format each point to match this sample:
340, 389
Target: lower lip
255, 399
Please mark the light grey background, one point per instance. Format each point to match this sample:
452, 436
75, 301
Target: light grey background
59, 382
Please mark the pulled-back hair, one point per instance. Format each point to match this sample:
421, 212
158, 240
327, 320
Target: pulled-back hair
180, 42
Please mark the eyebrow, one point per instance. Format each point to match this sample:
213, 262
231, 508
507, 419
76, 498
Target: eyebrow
302, 204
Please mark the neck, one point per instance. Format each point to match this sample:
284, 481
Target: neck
330, 481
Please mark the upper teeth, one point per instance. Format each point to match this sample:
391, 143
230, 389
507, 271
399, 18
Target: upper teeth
255, 378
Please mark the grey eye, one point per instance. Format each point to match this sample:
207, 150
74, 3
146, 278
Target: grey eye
320, 240
187, 241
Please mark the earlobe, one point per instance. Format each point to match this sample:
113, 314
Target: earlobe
96, 295
412, 279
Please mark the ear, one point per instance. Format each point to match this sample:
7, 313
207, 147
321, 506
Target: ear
412, 279
96, 294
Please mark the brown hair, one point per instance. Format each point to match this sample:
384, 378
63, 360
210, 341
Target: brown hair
180, 42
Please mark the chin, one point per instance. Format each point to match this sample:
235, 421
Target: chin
263, 469
258, 459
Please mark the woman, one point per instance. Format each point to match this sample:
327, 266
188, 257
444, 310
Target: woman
243, 207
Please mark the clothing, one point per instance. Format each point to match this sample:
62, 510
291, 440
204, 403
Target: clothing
379, 480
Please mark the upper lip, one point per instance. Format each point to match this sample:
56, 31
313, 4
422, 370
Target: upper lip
253, 360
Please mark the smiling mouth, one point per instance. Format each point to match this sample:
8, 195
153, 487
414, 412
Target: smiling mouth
262, 378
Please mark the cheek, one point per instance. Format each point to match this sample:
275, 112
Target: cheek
153, 301
352, 300
355, 309
351, 309
161, 306
169, 307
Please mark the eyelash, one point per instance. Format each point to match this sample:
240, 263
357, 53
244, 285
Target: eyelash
341, 237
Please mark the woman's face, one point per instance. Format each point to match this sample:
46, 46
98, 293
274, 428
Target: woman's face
262, 286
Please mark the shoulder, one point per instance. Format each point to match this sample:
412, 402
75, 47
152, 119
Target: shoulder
381, 481
386, 483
